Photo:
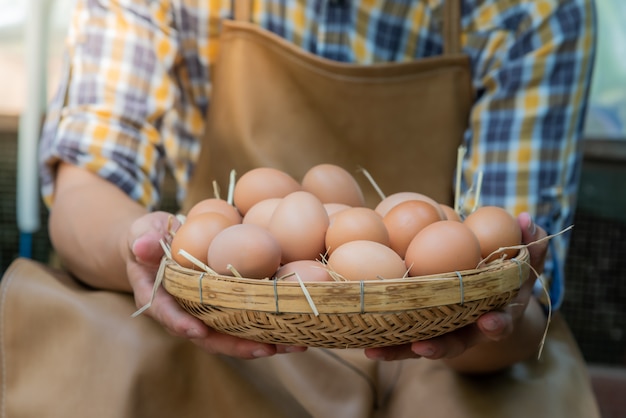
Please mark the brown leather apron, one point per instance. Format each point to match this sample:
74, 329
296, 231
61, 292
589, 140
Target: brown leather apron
69, 351
278, 106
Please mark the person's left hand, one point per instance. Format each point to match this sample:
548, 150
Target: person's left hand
145, 253
492, 326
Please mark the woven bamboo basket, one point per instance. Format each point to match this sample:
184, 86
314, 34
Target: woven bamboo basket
345, 314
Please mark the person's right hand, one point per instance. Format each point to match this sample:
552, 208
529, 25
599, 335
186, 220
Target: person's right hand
142, 265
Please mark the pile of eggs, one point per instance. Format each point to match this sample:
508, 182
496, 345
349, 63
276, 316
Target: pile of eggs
320, 228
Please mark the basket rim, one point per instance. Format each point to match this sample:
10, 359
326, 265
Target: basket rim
384, 295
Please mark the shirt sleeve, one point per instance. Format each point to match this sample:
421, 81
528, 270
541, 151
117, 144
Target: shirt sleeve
532, 66
119, 106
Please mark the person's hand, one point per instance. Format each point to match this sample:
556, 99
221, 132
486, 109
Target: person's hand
146, 253
490, 327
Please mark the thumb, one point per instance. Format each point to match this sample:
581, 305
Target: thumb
531, 233
147, 232
147, 249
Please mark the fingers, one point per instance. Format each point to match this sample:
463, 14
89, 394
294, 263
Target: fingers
176, 321
449, 345
147, 249
285, 349
531, 233
495, 325
164, 308
492, 326
179, 323
528, 226
398, 352
145, 234
174, 318
146, 252
217, 343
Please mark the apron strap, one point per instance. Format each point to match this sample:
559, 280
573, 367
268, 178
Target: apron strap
451, 22
242, 10
452, 27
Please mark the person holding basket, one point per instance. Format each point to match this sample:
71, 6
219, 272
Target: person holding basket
396, 86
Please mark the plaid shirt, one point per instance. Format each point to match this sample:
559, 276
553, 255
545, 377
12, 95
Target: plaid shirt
136, 92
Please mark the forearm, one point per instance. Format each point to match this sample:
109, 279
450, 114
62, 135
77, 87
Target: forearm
89, 223
521, 345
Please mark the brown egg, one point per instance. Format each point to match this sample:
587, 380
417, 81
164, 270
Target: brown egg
299, 223
307, 270
332, 208
366, 260
443, 247
250, 249
450, 213
261, 212
216, 205
357, 223
333, 184
405, 220
495, 228
260, 184
392, 200
195, 235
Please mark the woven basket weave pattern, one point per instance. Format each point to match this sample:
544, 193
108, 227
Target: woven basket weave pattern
350, 314
344, 330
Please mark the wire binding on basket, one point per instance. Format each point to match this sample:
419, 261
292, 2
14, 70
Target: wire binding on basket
276, 295
200, 286
462, 290
362, 297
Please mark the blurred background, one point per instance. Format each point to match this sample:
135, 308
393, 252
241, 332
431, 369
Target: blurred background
31, 41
